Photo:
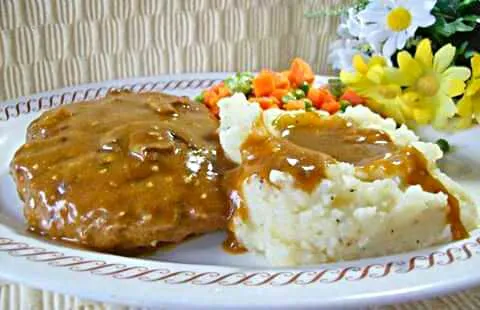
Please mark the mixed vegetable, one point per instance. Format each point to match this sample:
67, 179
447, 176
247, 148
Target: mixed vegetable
289, 90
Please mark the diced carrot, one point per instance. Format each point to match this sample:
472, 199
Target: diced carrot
351, 96
300, 72
223, 92
331, 106
210, 98
266, 102
294, 105
264, 83
279, 93
315, 96
281, 81
275, 100
215, 110
216, 87
319, 96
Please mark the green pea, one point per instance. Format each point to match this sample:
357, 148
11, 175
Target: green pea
288, 97
241, 82
336, 87
199, 97
308, 105
344, 104
299, 94
305, 87
444, 145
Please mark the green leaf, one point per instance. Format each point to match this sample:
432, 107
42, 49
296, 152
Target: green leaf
460, 26
472, 18
337, 10
443, 28
466, 5
462, 48
460, 51
469, 54
446, 8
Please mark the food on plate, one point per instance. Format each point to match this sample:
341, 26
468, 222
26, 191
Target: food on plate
314, 187
288, 90
125, 171
299, 173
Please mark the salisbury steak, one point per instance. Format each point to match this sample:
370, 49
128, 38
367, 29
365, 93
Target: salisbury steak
126, 171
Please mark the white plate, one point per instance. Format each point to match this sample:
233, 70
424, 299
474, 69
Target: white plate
198, 273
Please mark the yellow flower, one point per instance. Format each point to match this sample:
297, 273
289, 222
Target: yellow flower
366, 74
469, 105
431, 83
374, 80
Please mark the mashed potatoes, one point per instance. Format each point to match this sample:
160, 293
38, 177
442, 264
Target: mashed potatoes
345, 216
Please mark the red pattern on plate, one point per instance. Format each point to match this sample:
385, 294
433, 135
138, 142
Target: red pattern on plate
442, 257
55, 100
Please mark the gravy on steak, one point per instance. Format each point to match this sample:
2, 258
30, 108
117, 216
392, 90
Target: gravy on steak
126, 171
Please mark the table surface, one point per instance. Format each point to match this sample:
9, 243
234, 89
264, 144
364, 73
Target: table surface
48, 44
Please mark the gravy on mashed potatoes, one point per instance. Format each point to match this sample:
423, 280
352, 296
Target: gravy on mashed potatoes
312, 188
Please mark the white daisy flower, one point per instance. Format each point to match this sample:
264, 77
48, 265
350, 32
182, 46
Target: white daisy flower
342, 52
350, 25
388, 24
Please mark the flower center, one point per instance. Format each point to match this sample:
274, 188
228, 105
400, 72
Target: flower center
428, 85
412, 99
390, 91
399, 19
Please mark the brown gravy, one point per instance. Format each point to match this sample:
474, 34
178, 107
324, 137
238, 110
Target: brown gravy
232, 245
126, 171
309, 143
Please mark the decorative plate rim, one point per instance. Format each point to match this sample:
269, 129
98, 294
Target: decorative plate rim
249, 278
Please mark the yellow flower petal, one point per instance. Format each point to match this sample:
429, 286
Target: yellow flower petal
460, 73
377, 60
455, 87
443, 58
422, 116
359, 64
406, 110
445, 109
412, 99
376, 74
464, 122
476, 107
464, 107
473, 88
395, 76
424, 53
348, 77
396, 111
475, 62
408, 67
